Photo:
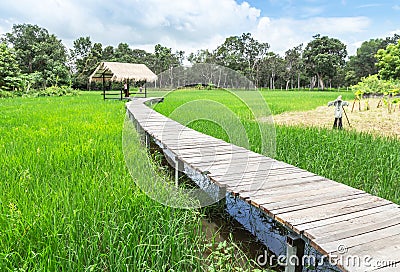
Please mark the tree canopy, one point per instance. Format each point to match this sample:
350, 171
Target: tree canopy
38, 51
323, 56
9, 70
389, 62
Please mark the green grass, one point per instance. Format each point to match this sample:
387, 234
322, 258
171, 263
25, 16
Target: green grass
278, 101
67, 201
357, 159
283, 101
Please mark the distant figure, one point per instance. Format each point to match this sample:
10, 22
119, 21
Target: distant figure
140, 89
339, 104
126, 92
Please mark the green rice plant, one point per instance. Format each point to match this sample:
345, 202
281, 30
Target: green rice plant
67, 201
359, 160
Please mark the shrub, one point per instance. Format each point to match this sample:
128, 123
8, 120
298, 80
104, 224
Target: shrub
50, 91
374, 85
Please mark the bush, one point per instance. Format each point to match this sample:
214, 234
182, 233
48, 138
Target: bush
6, 94
50, 91
374, 85
58, 91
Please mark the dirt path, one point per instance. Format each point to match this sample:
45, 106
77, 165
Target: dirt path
376, 120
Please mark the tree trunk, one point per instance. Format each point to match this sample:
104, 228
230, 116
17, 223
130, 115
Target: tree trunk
312, 82
320, 82
298, 80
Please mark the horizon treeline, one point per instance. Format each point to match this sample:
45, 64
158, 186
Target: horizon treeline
31, 57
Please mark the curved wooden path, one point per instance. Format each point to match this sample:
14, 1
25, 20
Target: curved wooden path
336, 219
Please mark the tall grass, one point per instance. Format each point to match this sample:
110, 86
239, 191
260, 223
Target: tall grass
67, 201
357, 159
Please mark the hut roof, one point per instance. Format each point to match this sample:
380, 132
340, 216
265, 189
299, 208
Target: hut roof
118, 71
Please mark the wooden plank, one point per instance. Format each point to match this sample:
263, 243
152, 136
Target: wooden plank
347, 224
376, 246
299, 196
269, 167
330, 210
269, 182
233, 158
305, 203
376, 223
236, 171
197, 148
278, 188
305, 227
194, 145
196, 152
222, 164
266, 179
288, 186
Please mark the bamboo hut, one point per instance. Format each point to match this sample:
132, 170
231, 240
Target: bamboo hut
124, 73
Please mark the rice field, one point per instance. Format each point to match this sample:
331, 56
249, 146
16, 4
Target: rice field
357, 159
67, 201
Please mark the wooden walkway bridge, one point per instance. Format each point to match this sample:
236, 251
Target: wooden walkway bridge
335, 219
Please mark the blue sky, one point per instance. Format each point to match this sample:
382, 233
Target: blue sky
190, 25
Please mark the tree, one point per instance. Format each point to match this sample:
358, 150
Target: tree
38, 51
364, 62
80, 53
389, 62
123, 53
293, 63
108, 53
9, 70
322, 58
272, 68
85, 58
201, 56
242, 54
164, 59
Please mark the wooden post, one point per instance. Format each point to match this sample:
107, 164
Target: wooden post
104, 87
294, 253
121, 91
178, 167
147, 140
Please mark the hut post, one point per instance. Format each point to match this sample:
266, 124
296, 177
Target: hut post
145, 89
104, 87
120, 92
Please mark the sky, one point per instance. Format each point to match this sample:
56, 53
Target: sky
190, 25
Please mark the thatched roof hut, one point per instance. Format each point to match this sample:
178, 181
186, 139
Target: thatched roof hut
117, 71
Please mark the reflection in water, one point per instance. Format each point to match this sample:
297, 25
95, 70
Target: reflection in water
257, 223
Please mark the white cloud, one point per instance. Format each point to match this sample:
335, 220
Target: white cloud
188, 23
182, 25
370, 6
286, 33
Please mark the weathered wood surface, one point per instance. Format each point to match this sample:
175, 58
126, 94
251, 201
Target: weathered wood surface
337, 219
